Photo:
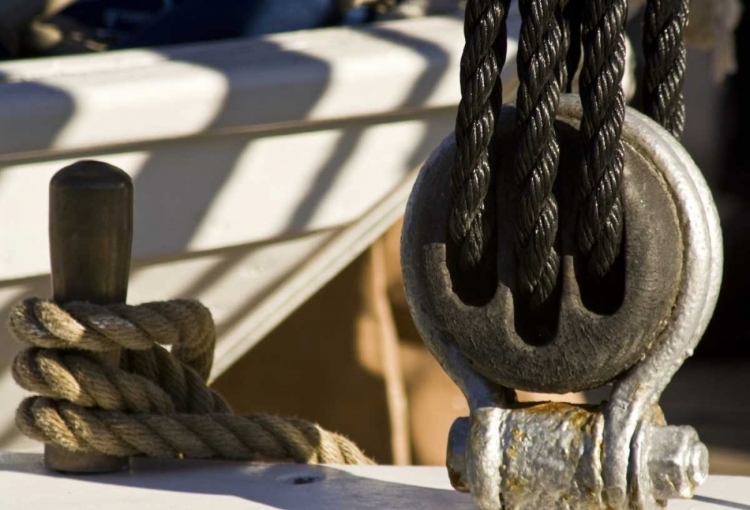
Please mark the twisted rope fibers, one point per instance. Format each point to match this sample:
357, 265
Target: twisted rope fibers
481, 98
156, 403
542, 73
666, 62
600, 218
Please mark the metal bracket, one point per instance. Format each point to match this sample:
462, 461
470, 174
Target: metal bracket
620, 455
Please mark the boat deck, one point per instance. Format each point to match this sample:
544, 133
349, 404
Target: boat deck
189, 485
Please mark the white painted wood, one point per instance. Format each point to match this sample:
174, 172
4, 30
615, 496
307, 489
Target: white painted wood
262, 167
194, 485
237, 284
146, 95
319, 269
249, 290
232, 142
215, 192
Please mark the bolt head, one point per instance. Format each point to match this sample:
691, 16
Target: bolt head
678, 462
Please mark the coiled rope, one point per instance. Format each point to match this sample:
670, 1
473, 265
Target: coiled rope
156, 403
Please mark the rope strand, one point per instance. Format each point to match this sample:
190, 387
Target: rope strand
156, 403
600, 219
254, 437
481, 96
666, 62
542, 73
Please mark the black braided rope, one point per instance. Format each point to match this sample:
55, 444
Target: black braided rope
481, 97
542, 73
600, 219
666, 61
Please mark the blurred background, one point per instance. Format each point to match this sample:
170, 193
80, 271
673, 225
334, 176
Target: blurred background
273, 144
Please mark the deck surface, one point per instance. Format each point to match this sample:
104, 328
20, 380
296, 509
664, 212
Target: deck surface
192, 485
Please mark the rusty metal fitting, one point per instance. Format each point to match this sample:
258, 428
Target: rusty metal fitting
564, 443
620, 455
677, 462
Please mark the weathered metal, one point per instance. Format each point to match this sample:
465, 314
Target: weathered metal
565, 351
90, 231
550, 456
620, 455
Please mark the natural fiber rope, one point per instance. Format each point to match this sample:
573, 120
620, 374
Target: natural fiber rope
542, 74
156, 403
481, 98
600, 220
666, 62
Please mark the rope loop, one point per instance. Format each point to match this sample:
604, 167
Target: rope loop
556, 37
156, 403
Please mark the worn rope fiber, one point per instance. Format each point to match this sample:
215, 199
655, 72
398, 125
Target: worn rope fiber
666, 62
481, 98
542, 74
156, 403
600, 219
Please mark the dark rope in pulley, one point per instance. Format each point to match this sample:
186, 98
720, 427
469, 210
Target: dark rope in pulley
600, 219
572, 25
666, 61
542, 74
481, 98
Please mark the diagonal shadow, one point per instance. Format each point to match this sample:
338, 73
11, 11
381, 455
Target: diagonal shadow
347, 145
329, 171
279, 486
420, 91
196, 188
18, 130
57, 107
722, 503
175, 192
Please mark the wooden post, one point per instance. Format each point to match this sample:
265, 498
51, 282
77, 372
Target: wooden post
90, 232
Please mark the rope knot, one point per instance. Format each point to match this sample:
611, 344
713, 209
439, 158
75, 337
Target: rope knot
156, 403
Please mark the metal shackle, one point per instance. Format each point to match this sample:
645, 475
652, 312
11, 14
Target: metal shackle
563, 443
672, 272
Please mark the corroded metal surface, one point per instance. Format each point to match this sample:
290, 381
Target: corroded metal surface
582, 346
620, 455
549, 455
